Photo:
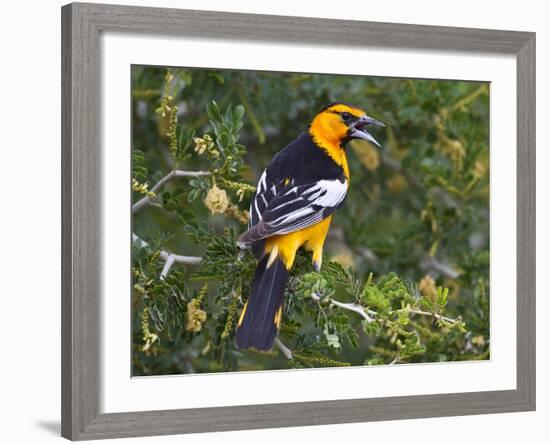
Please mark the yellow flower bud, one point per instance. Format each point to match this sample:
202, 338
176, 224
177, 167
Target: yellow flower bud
344, 259
200, 145
234, 212
216, 200
427, 287
195, 316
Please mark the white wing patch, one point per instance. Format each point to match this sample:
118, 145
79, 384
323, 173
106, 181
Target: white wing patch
294, 208
259, 202
335, 193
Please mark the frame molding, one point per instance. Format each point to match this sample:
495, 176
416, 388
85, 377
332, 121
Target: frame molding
82, 24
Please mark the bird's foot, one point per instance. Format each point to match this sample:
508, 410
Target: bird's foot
242, 245
317, 266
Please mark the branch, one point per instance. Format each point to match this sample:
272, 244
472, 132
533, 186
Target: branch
435, 315
359, 309
169, 258
287, 352
171, 175
353, 307
396, 359
167, 265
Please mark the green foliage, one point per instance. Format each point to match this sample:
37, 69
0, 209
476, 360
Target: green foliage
391, 310
406, 272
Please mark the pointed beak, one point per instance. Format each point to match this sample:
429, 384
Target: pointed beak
359, 131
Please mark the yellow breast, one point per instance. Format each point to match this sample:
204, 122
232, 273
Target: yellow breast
311, 237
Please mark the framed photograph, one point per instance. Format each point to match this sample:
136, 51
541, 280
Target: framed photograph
278, 221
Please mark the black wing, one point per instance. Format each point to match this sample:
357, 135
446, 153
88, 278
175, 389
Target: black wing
293, 207
266, 191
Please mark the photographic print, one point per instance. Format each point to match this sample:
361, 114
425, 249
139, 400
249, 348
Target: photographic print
303, 220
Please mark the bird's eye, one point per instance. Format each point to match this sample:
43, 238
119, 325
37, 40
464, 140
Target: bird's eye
346, 116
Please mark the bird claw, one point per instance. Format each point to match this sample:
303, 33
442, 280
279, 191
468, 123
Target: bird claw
242, 245
317, 266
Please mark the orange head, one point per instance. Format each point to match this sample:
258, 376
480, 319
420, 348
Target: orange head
339, 122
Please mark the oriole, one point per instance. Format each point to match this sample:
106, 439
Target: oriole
296, 195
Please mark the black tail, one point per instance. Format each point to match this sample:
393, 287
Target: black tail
261, 316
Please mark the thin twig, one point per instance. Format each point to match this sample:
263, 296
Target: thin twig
352, 307
368, 315
435, 315
396, 359
167, 265
356, 308
171, 175
169, 258
287, 352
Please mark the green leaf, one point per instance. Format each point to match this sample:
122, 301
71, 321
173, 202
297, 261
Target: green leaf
238, 113
411, 346
371, 328
376, 299
139, 168
442, 294
219, 77
375, 360
426, 303
213, 111
193, 195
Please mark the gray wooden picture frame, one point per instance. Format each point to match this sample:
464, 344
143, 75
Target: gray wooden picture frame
81, 232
